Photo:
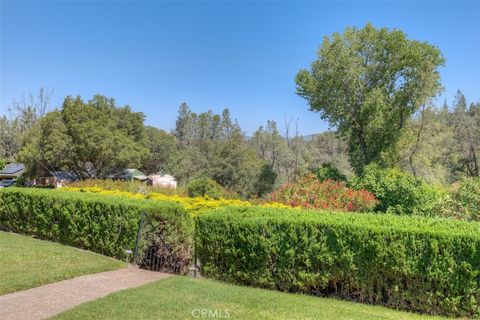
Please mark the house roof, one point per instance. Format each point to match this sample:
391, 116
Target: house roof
12, 169
63, 175
159, 176
129, 174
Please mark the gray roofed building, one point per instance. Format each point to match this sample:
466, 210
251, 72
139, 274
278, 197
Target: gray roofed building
130, 174
55, 179
12, 171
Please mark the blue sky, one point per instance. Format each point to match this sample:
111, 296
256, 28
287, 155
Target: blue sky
240, 55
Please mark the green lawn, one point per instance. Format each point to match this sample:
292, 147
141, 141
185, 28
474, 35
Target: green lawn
26, 262
178, 297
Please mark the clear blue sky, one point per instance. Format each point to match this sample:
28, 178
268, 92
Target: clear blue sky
240, 55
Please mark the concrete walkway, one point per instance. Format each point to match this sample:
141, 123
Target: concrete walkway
48, 300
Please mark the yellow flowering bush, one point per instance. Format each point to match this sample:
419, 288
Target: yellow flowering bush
195, 206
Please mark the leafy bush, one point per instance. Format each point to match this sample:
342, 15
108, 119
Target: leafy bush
133, 186
413, 263
463, 202
328, 171
309, 192
202, 187
107, 225
266, 181
398, 192
194, 206
3, 163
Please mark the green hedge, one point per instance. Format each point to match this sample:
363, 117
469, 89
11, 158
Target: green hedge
399, 192
104, 224
419, 264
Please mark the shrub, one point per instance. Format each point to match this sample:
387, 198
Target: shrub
202, 187
463, 201
107, 225
132, 186
194, 206
309, 192
266, 181
328, 171
398, 192
413, 263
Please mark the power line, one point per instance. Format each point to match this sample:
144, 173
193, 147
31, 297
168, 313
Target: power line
54, 172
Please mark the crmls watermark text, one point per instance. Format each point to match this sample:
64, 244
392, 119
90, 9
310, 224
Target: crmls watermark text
204, 313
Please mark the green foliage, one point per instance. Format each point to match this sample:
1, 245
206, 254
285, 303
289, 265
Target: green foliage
466, 124
266, 181
367, 83
104, 224
413, 263
212, 145
21, 181
163, 151
235, 165
440, 144
3, 162
9, 137
463, 202
92, 139
398, 192
133, 186
26, 113
329, 171
274, 150
202, 187
425, 147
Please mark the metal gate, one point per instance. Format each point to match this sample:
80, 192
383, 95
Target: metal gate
152, 252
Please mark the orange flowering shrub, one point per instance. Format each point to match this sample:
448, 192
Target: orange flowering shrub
311, 193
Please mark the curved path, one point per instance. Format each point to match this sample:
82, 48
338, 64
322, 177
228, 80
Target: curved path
48, 300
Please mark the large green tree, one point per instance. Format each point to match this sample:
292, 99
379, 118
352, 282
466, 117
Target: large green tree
426, 146
327, 148
163, 151
25, 112
213, 145
10, 137
92, 139
274, 150
235, 165
367, 83
466, 124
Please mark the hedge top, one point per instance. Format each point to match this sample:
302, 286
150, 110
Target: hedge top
265, 214
411, 224
147, 205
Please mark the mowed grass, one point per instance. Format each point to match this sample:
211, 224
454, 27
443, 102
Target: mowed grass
186, 298
26, 262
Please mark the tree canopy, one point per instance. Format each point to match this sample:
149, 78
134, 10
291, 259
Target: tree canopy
92, 139
367, 83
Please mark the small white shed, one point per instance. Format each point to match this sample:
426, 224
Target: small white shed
164, 181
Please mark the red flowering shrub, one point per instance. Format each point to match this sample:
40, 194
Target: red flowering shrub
311, 193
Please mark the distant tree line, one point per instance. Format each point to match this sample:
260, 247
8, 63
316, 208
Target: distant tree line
97, 138
442, 144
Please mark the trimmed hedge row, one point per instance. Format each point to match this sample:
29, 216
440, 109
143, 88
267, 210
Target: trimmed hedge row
104, 224
419, 264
